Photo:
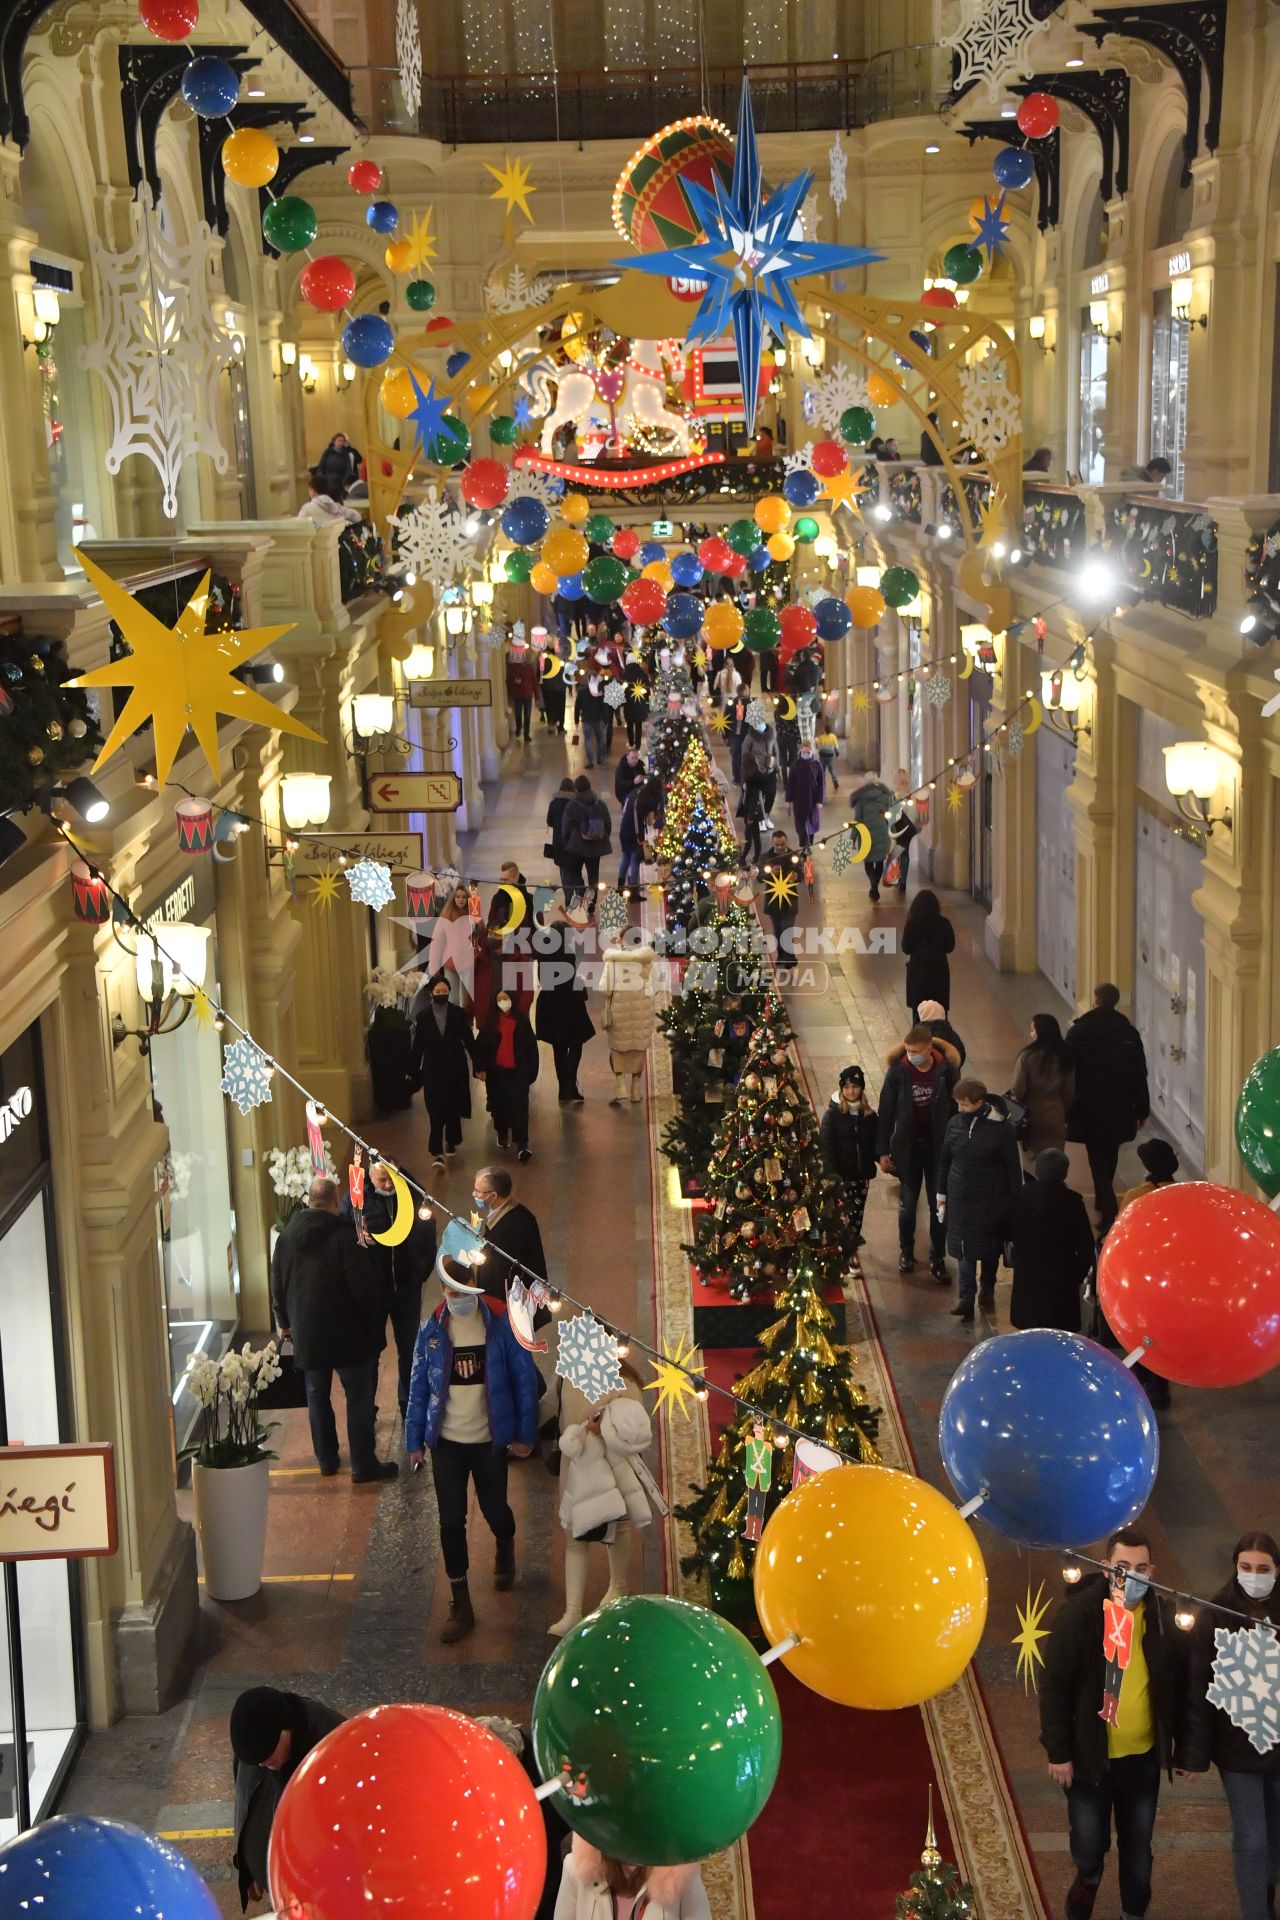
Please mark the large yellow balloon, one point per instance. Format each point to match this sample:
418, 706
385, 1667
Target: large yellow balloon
574, 508
881, 1581
396, 392
544, 579
977, 212
773, 513
565, 551
250, 157
781, 546
723, 624
660, 571
399, 255
882, 391
866, 605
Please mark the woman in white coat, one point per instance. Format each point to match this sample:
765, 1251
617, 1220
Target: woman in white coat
626, 981
601, 1492
593, 1887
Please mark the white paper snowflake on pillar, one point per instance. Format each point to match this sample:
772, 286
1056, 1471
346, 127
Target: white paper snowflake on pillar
1246, 1682
992, 411
993, 43
161, 349
837, 172
409, 55
246, 1074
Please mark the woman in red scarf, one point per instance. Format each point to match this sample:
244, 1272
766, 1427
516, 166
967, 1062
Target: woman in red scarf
507, 1057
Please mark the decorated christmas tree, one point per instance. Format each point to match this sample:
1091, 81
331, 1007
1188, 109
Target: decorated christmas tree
806, 1379
773, 1199
709, 1025
700, 855
936, 1891
47, 729
694, 788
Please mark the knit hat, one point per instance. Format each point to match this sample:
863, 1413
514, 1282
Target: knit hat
258, 1718
931, 1010
1051, 1167
1159, 1159
855, 1074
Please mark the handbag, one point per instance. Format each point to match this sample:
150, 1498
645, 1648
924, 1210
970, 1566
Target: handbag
549, 852
1016, 1114
893, 872
289, 1389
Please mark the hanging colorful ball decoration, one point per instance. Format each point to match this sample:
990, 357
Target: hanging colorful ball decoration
833, 618
828, 458
938, 297
382, 215
543, 579
773, 513
502, 430
517, 566
899, 586
651, 550
604, 577
525, 520
598, 528
450, 444
1038, 116
484, 485
723, 625
420, 296
574, 509
683, 616
798, 628
781, 546
857, 424
289, 224
651, 207
456, 362
367, 340
714, 553
328, 284
396, 392
805, 531
626, 543
210, 86
170, 19
866, 607
761, 629
686, 569
364, 176
250, 157
758, 559
801, 488
81, 1864
883, 389
1013, 168
398, 256
743, 537
1258, 1122
962, 263
644, 602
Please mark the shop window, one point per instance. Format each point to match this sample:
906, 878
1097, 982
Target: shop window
1170, 346
1090, 459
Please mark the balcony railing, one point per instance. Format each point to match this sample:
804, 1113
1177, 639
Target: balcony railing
904, 494
1169, 553
1053, 525
976, 493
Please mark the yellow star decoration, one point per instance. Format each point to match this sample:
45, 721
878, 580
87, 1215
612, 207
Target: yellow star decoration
1027, 1639
842, 490
202, 1009
991, 530
324, 887
179, 676
861, 700
718, 722
672, 1382
782, 888
514, 186
421, 239
955, 798
654, 891
700, 660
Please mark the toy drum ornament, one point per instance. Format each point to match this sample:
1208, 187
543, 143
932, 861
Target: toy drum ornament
89, 894
195, 825
650, 206
418, 889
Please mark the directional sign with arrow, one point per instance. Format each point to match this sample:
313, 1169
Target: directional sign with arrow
414, 792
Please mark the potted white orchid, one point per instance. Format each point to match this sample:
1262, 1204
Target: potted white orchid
390, 994
230, 1467
291, 1173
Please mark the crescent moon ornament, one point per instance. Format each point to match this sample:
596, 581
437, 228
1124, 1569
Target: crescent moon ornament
1036, 712
967, 668
787, 701
516, 916
402, 1225
861, 840
554, 665
227, 834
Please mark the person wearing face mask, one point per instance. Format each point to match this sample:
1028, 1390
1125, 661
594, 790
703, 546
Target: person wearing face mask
978, 1174
441, 1050
915, 1105
1250, 1780
512, 1237
472, 1400
806, 790
1109, 1697
506, 1053
402, 1270
847, 1138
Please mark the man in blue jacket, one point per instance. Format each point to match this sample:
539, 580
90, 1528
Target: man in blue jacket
472, 1399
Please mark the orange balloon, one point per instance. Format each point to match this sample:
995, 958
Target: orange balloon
977, 212
866, 605
396, 392
565, 551
574, 508
250, 157
773, 513
781, 546
543, 579
882, 391
723, 624
398, 256
660, 571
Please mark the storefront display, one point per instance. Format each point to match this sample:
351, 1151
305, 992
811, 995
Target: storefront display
1055, 863
1168, 969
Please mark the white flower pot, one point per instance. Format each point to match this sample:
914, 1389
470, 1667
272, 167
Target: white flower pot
231, 1523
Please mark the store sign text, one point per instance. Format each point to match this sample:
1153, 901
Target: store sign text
14, 1111
1099, 284
57, 1503
1179, 263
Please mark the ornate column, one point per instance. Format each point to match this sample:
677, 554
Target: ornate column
1010, 931
1102, 798
28, 531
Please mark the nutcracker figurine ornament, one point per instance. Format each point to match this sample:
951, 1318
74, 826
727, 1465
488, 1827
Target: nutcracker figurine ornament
758, 1473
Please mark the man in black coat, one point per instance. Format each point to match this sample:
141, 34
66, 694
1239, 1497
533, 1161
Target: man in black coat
1107, 1753
915, 1106
330, 1300
1111, 1097
402, 1270
513, 1240
780, 878
271, 1734
442, 1053
978, 1174
339, 465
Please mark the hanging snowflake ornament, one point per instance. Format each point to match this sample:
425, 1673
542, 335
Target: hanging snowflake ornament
800, 461
613, 914
1246, 1682
938, 688
755, 715
246, 1074
615, 693
409, 55
993, 42
842, 851
432, 540
517, 291
837, 173
370, 884
835, 391
992, 415
587, 1356
1015, 738
528, 484
162, 349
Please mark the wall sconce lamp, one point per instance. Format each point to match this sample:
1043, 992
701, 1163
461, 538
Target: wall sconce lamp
47, 310
304, 799
168, 980
288, 358
308, 374
456, 620
482, 593
1181, 292
1061, 696
1099, 314
420, 664
1193, 774
346, 374
1037, 327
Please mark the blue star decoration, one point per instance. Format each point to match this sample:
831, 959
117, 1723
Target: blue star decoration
993, 228
428, 413
370, 884
246, 1075
755, 248
587, 1356
522, 412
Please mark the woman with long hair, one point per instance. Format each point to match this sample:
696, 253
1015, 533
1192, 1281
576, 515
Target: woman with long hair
594, 1887
1044, 1083
452, 951
927, 938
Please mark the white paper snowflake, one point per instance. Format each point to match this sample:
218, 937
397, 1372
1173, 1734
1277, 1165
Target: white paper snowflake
528, 483
837, 173
370, 884
755, 715
587, 1356
432, 539
799, 461
842, 851
992, 43
992, 412
938, 688
1273, 704
246, 1075
615, 693
409, 55
517, 291
835, 391
810, 217
162, 348
1246, 1682
491, 637
1015, 738
613, 914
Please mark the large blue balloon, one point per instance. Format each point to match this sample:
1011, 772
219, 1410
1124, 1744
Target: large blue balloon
456, 362
382, 215
833, 617
1054, 1432
210, 86
367, 340
652, 550
77, 1864
1013, 167
525, 521
686, 569
683, 617
758, 559
801, 487
571, 587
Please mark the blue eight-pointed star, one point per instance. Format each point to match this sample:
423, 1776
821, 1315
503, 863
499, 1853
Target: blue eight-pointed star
993, 228
427, 413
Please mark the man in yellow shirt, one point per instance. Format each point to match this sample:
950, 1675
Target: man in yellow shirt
1108, 1709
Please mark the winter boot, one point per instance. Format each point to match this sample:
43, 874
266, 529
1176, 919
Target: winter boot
575, 1586
462, 1618
504, 1567
637, 1086
619, 1560
619, 1089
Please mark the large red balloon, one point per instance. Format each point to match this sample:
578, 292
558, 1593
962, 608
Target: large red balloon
412, 1810
715, 553
1038, 115
644, 601
828, 457
735, 565
1195, 1268
938, 297
364, 176
484, 483
327, 283
170, 19
626, 543
798, 628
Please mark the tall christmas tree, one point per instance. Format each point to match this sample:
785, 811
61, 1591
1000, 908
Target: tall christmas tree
805, 1379
709, 1025
936, 1891
773, 1199
693, 787
47, 729
700, 854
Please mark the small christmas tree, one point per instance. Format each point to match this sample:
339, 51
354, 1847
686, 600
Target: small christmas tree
936, 1892
773, 1200
805, 1379
47, 729
701, 853
693, 787
709, 1025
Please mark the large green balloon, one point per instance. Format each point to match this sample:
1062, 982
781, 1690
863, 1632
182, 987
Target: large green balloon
761, 629
1258, 1122
899, 586
665, 1726
744, 537
598, 529
289, 224
420, 295
605, 578
450, 444
502, 430
519, 565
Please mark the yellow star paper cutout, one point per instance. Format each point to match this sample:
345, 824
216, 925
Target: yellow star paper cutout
514, 186
671, 1382
842, 490
782, 888
700, 660
202, 1009
179, 676
718, 722
1030, 1634
861, 700
324, 887
955, 798
424, 243
655, 891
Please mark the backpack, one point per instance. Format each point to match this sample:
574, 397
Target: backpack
591, 825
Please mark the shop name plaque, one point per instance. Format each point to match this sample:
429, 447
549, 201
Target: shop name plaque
57, 1503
